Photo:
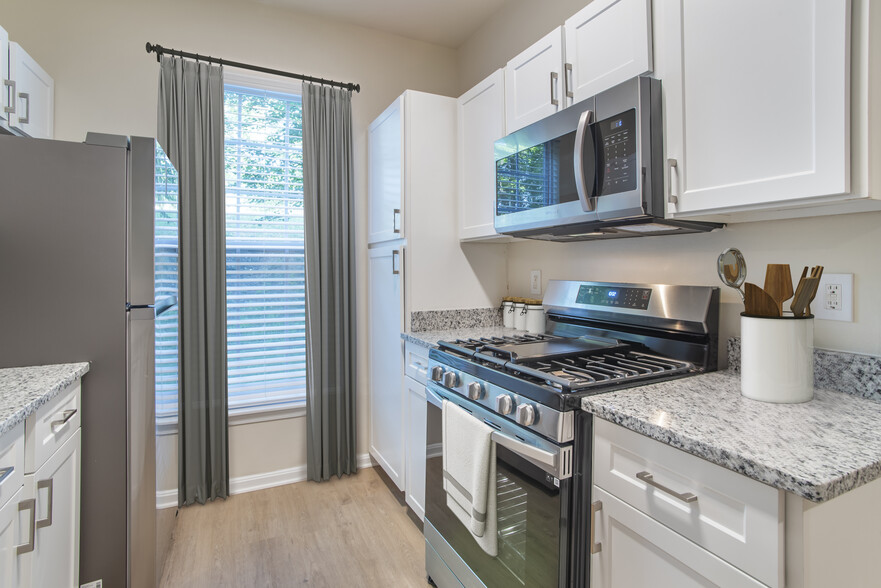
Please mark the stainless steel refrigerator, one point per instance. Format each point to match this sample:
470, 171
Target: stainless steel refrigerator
76, 284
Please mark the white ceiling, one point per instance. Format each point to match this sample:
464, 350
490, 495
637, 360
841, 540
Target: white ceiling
442, 22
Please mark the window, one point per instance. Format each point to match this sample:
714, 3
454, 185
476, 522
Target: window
265, 263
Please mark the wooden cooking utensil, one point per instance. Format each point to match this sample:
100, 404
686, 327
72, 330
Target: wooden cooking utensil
807, 289
816, 273
758, 302
799, 288
778, 283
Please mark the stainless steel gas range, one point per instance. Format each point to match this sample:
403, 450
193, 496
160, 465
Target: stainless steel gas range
528, 390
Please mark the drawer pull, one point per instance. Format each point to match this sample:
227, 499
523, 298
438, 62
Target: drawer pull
595, 507
66, 416
47, 522
31, 505
649, 479
6, 472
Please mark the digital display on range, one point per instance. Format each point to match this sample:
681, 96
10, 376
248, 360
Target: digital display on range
637, 298
616, 144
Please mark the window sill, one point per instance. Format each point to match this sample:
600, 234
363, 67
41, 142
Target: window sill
243, 416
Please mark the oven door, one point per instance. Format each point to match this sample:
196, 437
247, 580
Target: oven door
533, 507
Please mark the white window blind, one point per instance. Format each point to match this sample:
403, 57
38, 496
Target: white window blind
265, 264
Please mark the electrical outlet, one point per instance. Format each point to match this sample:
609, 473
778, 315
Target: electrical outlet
834, 300
95, 584
535, 282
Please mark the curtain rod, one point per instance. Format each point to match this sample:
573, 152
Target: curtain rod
159, 50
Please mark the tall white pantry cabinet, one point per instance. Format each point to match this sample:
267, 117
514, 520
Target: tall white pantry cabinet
412, 230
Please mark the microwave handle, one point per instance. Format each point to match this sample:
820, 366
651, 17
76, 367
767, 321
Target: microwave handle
582, 186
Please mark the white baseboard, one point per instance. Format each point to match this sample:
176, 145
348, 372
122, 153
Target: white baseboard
242, 484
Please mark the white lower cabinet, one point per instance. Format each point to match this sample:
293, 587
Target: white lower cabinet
40, 523
636, 550
13, 532
414, 488
56, 489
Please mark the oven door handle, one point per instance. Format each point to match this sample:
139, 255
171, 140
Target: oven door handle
558, 463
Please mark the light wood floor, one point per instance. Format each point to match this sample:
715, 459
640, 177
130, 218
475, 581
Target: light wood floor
345, 532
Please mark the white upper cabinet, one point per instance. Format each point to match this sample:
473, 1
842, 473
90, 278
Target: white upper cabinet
5, 94
607, 42
33, 95
533, 82
384, 182
757, 102
481, 120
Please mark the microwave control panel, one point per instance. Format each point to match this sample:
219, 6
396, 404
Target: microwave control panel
616, 141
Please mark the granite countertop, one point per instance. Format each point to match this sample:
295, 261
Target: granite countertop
23, 390
818, 449
430, 338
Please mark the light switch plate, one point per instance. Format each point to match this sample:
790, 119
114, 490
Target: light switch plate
834, 299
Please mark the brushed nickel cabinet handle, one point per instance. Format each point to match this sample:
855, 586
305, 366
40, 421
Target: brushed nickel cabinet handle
47, 522
396, 215
395, 266
6, 472
66, 416
686, 497
567, 81
554, 77
27, 108
595, 507
672, 164
31, 505
10, 91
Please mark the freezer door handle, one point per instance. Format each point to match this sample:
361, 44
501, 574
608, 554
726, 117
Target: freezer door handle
165, 305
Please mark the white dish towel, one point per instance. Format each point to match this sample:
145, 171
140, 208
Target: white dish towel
469, 459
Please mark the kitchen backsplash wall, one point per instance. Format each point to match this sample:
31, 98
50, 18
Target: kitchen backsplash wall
467, 318
842, 244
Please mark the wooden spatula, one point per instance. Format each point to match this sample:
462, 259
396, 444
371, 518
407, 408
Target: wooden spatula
758, 302
816, 273
778, 283
807, 289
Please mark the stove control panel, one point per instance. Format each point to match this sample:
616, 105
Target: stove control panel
621, 297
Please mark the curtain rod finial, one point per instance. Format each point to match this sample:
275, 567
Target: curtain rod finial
149, 47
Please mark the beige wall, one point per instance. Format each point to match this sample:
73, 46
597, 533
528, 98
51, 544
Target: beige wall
106, 82
843, 244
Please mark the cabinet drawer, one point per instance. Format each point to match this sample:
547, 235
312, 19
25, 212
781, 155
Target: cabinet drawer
416, 362
730, 515
11, 462
52, 425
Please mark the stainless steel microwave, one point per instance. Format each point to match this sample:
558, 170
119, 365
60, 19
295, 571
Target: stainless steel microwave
591, 171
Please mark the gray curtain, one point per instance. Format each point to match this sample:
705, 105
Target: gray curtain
330, 281
191, 133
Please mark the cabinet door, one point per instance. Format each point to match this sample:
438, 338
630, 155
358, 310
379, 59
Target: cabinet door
636, 551
56, 556
34, 95
481, 114
386, 300
757, 101
385, 177
14, 530
414, 492
607, 42
533, 81
5, 89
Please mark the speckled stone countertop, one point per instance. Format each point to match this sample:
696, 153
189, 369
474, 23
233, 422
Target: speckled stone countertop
431, 338
818, 449
23, 390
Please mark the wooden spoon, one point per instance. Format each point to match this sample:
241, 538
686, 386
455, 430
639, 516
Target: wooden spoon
758, 302
778, 283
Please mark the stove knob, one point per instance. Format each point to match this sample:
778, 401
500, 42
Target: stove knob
525, 414
475, 391
504, 404
451, 379
437, 373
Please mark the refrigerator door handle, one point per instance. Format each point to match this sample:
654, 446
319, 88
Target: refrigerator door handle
165, 305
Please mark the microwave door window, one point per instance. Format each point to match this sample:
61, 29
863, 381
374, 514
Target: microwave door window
536, 177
